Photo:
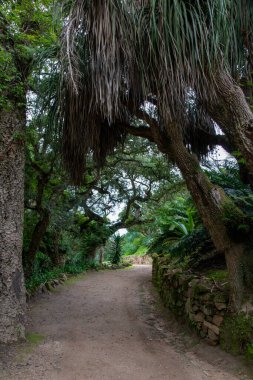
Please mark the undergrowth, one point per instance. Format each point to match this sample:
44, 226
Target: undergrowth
42, 274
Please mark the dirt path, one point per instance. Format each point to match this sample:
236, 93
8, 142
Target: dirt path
106, 326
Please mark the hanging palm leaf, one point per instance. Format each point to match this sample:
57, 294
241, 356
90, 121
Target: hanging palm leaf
115, 54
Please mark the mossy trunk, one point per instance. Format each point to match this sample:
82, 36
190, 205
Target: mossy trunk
101, 255
56, 254
211, 202
233, 114
36, 239
234, 258
12, 290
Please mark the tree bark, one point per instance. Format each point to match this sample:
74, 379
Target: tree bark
37, 236
56, 255
12, 290
101, 254
233, 114
210, 201
234, 258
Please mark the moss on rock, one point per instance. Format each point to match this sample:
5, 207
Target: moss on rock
237, 334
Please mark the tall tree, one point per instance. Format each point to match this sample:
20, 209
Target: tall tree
120, 75
21, 24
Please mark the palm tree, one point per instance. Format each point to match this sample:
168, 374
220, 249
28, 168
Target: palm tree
126, 61
165, 49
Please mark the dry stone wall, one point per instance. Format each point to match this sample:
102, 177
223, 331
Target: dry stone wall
200, 301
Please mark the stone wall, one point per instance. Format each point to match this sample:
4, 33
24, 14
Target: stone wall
199, 301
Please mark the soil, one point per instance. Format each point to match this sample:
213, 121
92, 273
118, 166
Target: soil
111, 325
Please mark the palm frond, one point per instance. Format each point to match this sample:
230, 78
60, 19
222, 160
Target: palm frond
115, 54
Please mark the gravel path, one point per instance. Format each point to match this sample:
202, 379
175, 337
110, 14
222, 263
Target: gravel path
107, 326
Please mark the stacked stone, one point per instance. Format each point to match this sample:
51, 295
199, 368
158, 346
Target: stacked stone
198, 300
206, 306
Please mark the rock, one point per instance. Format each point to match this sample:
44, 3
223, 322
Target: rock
220, 305
44, 289
217, 320
193, 282
48, 286
221, 298
211, 342
247, 308
28, 295
212, 335
207, 310
181, 280
189, 292
199, 317
212, 327
188, 306
202, 333
56, 282
199, 325
39, 289
178, 270
206, 297
209, 318
63, 277
195, 308
200, 289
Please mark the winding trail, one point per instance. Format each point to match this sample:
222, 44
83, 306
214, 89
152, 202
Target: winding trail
107, 326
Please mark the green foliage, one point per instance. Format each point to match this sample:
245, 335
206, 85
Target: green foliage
34, 338
182, 236
78, 263
38, 278
115, 249
135, 243
176, 219
217, 275
27, 28
238, 212
237, 334
94, 235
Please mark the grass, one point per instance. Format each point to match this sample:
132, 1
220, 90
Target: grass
73, 279
218, 275
34, 339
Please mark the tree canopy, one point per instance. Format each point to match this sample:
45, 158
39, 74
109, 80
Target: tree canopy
113, 107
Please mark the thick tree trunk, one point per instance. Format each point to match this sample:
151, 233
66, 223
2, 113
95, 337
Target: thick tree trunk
12, 291
37, 236
210, 201
101, 255
56, 254
234, 116
234, 258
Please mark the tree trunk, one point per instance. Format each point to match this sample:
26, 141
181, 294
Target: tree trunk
210, 201
12, 290
234, 116
91, 255
56, 255
101, 255
37, 236
235, 271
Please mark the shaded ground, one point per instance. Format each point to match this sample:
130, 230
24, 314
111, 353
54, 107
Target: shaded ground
107, 326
